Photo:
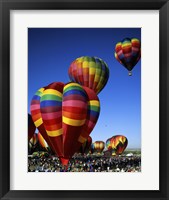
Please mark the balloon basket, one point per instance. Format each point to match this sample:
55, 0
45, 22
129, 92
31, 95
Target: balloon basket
130, 73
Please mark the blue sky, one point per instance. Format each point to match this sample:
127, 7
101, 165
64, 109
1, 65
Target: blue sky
50, 53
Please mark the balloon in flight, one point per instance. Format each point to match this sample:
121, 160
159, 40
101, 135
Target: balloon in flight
91, 72
128, 53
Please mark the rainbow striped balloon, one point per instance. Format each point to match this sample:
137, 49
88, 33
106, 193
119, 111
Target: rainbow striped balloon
37, 116
74, 113
51, 112
91, 72
68, 114
128, 52
117, 144
92, 115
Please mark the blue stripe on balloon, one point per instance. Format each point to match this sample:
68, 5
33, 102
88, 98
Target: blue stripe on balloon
70, 92
93, 113
50, 103
36, 97
135, 54
127, 59
121, 56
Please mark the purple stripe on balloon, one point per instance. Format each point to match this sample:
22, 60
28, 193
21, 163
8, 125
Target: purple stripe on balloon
53, 115
74, 103
50, 109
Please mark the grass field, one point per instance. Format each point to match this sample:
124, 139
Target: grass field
134, 151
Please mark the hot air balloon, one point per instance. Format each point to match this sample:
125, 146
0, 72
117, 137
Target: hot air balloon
91, 72
117, 144
42, 142
98, 146
128, 53
31, 127
37, 117
33, 142
85, 147
68, 114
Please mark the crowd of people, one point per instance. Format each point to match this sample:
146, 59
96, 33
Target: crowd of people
85, 163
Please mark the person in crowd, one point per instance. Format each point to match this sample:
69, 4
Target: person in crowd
85, 163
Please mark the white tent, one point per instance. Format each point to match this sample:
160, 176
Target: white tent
129, 154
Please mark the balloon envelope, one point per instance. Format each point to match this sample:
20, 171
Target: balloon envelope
91, 72
37, 116
85, 147
68, 114
98, 146
128, 52
33, 142
117, 144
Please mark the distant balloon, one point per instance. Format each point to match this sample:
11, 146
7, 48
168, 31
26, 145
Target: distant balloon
33, 142
68, 114
85, 147
128, 53
117, 144
98, 146
91, 72
31, 127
